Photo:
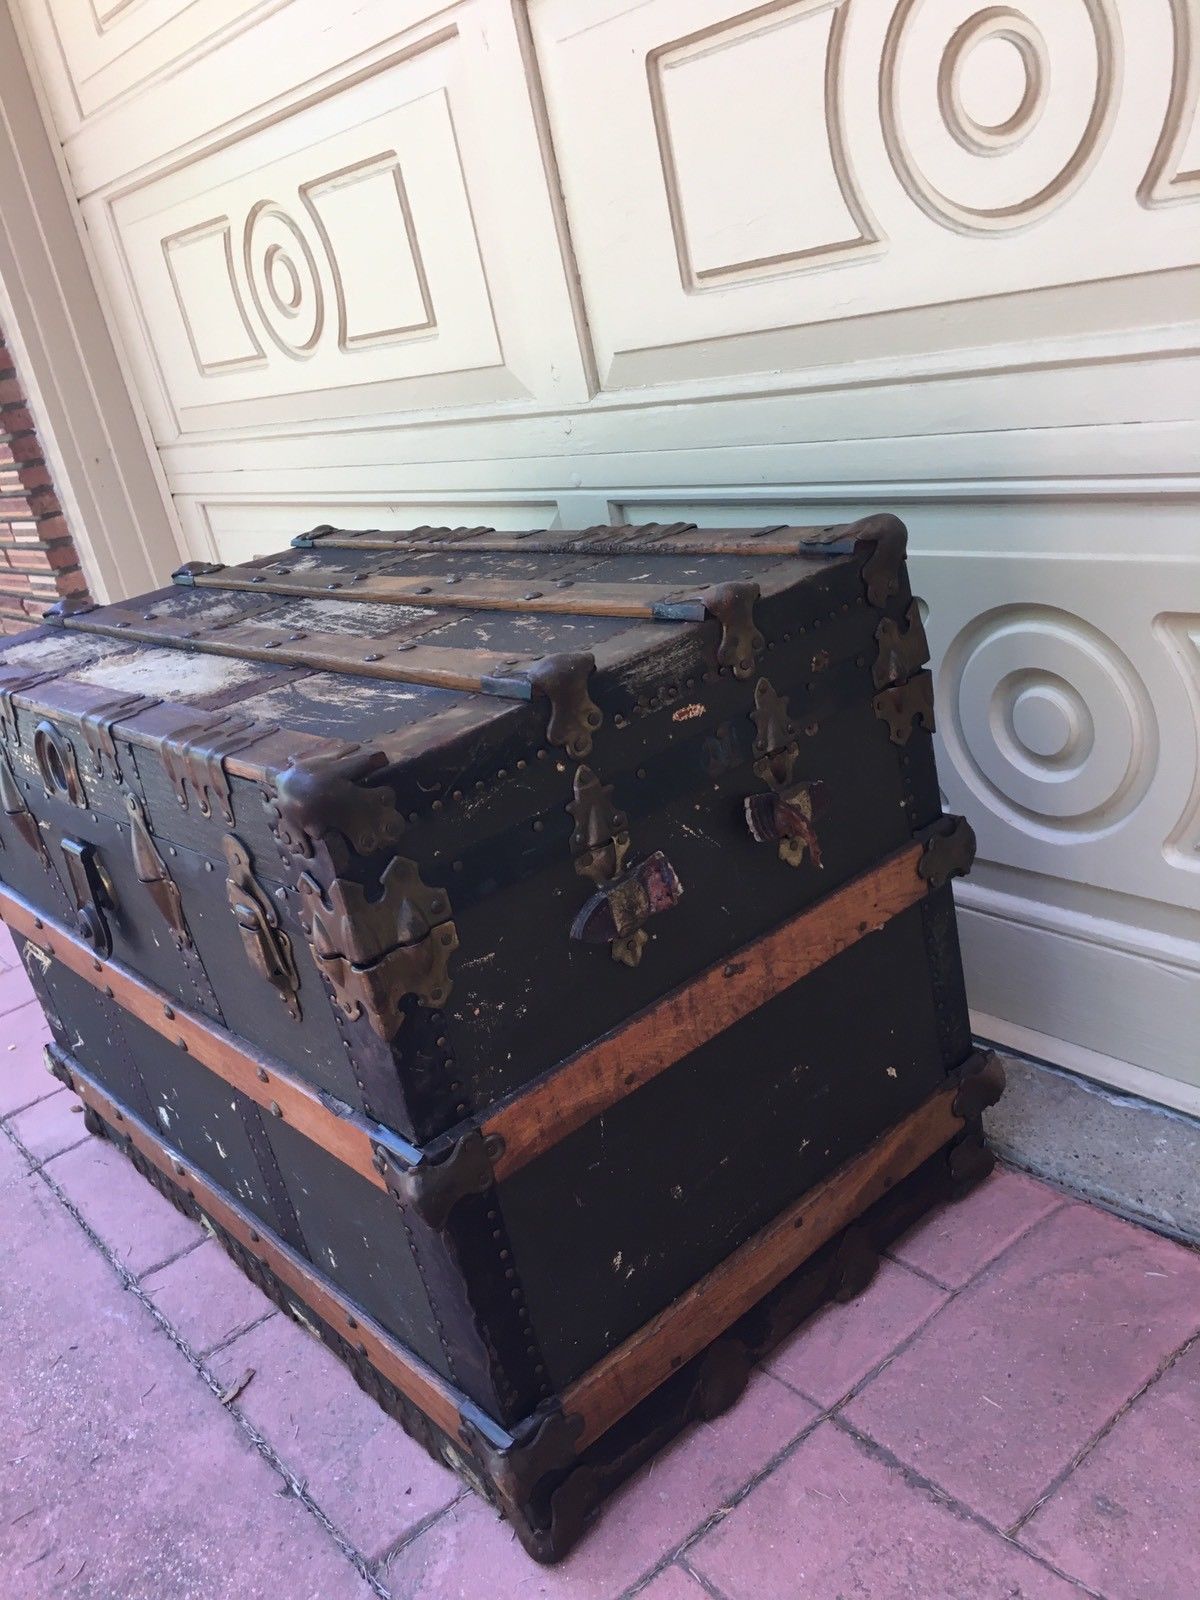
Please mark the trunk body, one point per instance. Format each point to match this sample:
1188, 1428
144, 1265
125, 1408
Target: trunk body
509, 930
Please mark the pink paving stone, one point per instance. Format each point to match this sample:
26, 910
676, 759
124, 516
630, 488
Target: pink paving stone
840, 1345
470, 1552
833, 1522
122, 1478
958, 1240
23, 1075
8, 953
51, 1126
1017, 1373
205, 1298
371, 1480
673, 1584
15, 988
1125, 1520
141, 1228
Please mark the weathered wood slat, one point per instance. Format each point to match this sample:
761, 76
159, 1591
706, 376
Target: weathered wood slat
392, 659
633, 1369
697, 1011
676, 539
562, 597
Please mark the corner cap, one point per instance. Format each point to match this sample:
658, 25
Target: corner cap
305, 541
71, 605
187, 574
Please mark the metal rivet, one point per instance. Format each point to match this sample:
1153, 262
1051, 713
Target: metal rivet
276, 1109
168, 1012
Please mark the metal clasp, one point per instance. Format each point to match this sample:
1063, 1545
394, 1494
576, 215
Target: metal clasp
92, 891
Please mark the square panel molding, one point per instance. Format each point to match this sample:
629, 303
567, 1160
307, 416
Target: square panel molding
354, 253
776, 182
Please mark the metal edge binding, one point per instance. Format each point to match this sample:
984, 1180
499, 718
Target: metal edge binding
431, 1185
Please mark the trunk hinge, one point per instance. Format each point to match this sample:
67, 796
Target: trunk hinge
902, 651
906, 704
376, 949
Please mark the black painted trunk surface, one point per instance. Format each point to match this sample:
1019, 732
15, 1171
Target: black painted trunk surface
531, 1282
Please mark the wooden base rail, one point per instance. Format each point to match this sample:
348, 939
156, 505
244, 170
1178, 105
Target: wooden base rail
538, 1116
612, 1388
631, 1371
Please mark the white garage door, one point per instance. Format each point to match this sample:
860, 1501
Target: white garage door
520, 261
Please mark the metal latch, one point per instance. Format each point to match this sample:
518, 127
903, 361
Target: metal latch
616, 912
92, 891
600, 841
12, 801
153, 874
267, 946
783, 815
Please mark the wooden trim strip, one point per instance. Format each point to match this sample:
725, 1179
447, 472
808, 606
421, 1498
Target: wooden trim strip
538, 1117
390, 658
774, 542
634, 1369
564, 597
417, 1382
341, 1132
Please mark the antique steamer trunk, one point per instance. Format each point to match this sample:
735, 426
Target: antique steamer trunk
532, 953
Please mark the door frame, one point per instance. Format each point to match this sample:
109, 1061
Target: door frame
92, 430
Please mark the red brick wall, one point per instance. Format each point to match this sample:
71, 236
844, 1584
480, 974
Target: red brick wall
38, 562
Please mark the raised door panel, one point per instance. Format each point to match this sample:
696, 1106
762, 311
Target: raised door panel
816, 163
229, 529
95, 51
366, 250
